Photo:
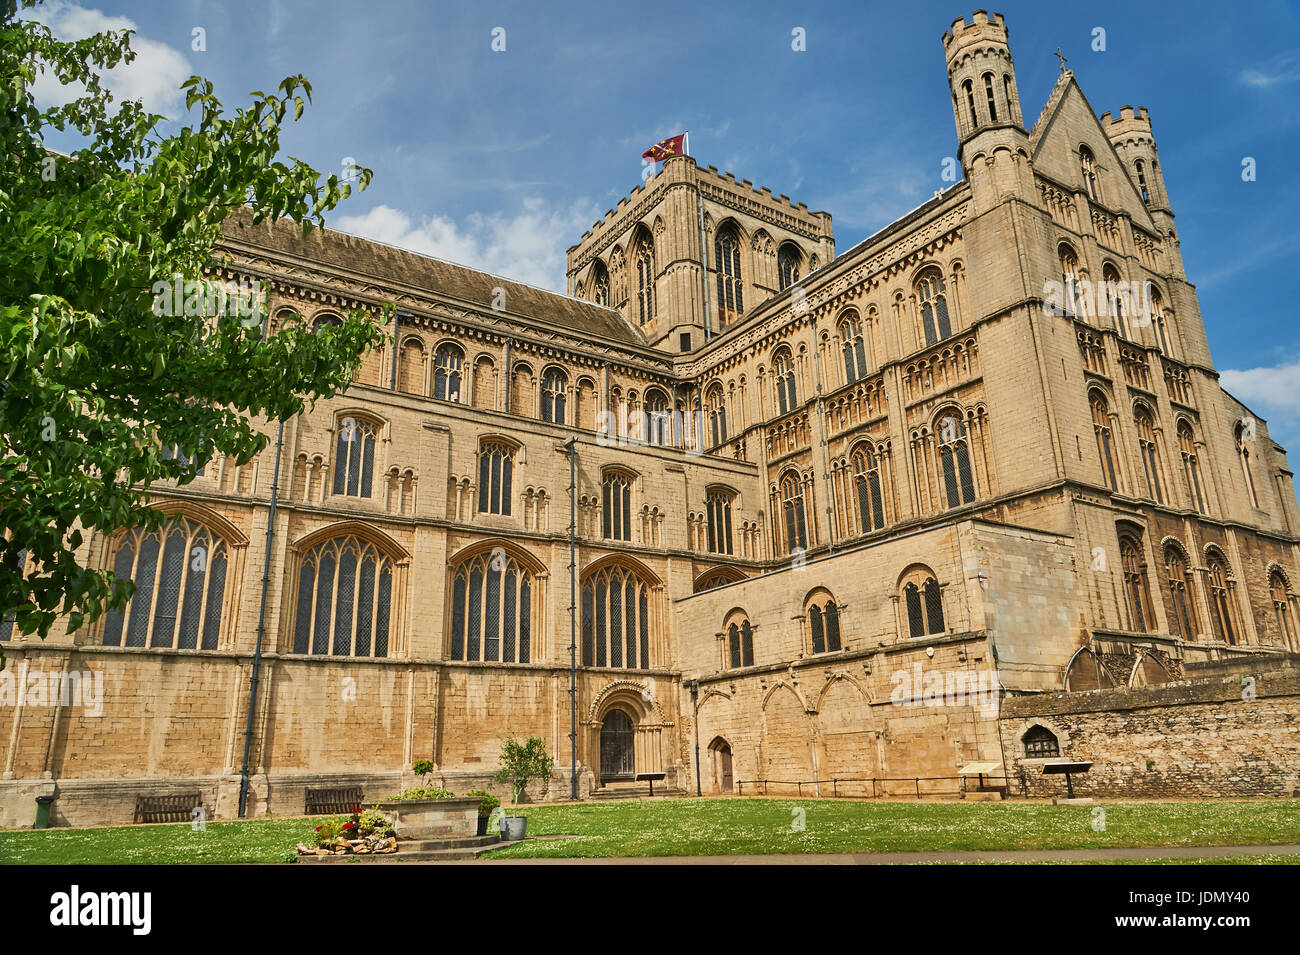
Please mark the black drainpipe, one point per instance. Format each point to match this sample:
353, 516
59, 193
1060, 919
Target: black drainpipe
392, 378
261, 610
572, 444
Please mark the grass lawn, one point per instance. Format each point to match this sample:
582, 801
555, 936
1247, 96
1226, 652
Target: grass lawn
731, 826
260, 840
742, 826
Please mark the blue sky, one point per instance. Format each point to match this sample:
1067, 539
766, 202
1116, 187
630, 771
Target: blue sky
500, 160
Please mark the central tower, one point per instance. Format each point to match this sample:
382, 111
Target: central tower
692, 251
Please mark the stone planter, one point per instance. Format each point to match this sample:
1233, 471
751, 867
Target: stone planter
415, 819
513, 827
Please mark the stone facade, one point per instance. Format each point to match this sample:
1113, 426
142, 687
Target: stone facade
1225, 736
905, 475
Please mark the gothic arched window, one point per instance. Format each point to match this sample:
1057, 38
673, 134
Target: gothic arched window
1142, 180
658, 419
616, 607
954, 461
180, 584
717, 412
644, 257
1156, 307
718, 505
496, 463
923, 603
554, 384
740, 641
616, 506
7, 623
792, 507
345, 599
354, 459
1148, 451
854, 347
447, 361
988, 95
1133, 565
492, 609
823, 623
1223, 613
1282, 609
783, 376
599, 283
1114, 296
934, 306
1105, 442
1088, 170
726, 254
1069, 277
867, 484
788, 262
1041, 743
1191, 464
1245, 434
1184, 615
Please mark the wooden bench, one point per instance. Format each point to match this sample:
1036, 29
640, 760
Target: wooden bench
174, 808
340, 799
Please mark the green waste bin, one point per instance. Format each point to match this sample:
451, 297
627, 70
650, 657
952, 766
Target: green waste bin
43, 804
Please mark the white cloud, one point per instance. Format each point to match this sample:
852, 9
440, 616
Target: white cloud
526, 247
1271, 392
1280, 69
154, 76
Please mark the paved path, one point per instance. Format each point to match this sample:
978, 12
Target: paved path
921, 858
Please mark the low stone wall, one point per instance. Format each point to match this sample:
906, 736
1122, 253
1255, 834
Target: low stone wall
101, 802
1231, 736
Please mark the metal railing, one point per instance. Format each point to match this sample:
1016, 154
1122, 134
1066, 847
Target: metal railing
872, 787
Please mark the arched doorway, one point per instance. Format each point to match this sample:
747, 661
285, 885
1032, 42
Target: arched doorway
617, 758
720, 758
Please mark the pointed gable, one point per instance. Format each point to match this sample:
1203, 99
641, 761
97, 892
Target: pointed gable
1068, 122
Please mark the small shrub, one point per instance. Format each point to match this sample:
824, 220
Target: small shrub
372, 822
487, 802
425, 792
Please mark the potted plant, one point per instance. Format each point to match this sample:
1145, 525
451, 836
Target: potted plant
487, 802
521, 763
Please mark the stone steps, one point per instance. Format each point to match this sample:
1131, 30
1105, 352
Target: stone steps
634, 791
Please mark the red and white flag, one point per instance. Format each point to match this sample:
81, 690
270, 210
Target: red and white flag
674, 146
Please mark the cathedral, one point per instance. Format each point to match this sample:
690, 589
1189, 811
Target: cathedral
738, 513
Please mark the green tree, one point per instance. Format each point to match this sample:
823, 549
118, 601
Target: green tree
103, 376
522, 762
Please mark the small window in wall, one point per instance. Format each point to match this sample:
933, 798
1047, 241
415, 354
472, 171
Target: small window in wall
354, 463
684, 340
447, 363
788, 265
823, 623
616, 506
495, 470
1041, 743
740, 642
923, 603
555, 385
